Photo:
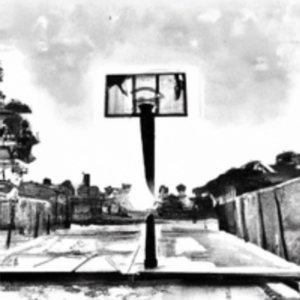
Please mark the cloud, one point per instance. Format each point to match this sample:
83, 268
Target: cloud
247, 53
60, 42
261, 64
212, 16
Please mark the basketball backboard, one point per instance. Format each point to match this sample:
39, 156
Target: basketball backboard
166, 91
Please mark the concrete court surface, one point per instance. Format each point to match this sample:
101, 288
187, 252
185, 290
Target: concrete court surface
181, 247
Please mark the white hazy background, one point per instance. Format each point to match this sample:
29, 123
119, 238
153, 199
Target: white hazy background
242, 64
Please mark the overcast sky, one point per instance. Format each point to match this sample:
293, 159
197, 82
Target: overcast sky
242, 64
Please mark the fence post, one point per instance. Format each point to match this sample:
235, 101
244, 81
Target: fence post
48, 224
244, 224
37, 223
11, 223
281, 227
56, 209
262, 230
67, 214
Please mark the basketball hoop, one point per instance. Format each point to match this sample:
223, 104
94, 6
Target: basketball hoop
146, 96
141, 101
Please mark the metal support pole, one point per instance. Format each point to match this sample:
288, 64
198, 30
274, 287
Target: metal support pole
148, 141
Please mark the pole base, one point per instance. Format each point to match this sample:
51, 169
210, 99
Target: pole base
150, 249
151, 264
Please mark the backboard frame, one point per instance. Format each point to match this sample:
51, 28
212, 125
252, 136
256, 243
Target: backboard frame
184, 113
